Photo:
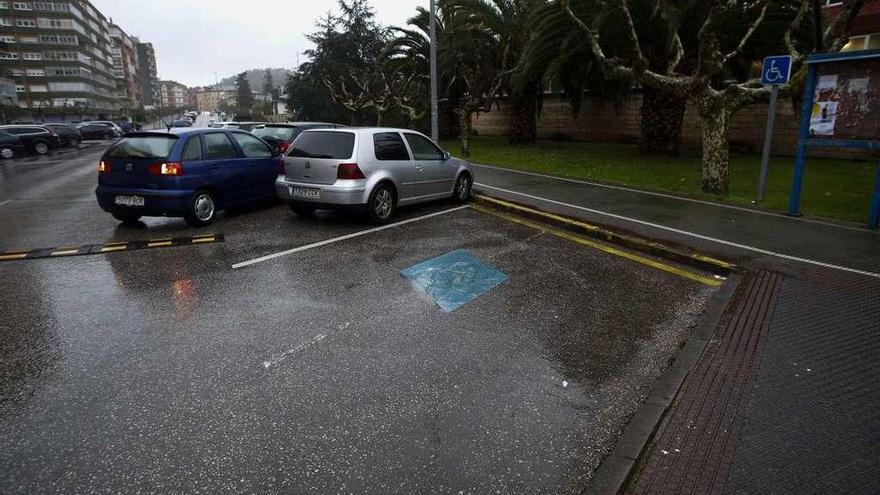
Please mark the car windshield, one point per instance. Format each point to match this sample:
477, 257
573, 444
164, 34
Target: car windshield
281, 133
335, 145
144, 147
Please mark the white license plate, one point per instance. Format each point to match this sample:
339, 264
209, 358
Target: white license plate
130, 200
306, 192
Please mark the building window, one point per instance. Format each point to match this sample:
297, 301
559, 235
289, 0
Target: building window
8, 56
5, 22
7, 39
36, 72
19, 88
4, 5
20, 6
32, 56
25, 23
863, 42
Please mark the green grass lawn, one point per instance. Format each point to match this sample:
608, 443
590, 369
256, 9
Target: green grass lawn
837, 189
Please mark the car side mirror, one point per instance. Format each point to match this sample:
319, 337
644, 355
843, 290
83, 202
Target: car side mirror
446, 156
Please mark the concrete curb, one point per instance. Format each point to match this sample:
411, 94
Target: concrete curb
699, 261
616, 471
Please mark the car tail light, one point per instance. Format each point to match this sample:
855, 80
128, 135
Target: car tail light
282, 146
349, 171
170, 168
103, 167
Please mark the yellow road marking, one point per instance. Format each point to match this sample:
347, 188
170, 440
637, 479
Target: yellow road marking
202, 239
594, 228
15, 256
602, 247
159, 243
65, 252
203, 235
108, 248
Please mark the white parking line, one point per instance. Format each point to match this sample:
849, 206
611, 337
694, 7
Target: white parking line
679, 198
343, 238
284, 355
687, 233
6, 202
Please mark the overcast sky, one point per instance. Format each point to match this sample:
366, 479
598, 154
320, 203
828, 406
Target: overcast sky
194, 38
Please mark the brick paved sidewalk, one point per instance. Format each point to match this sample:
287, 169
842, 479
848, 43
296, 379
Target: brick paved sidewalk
786, 398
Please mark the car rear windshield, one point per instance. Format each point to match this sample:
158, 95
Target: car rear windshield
323, 144
280, 133
144, 147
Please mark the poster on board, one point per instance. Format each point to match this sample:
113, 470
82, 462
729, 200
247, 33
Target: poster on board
824, 114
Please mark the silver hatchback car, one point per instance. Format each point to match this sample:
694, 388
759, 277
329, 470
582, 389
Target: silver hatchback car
374, 169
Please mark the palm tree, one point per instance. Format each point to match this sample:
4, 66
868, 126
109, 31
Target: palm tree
509, 23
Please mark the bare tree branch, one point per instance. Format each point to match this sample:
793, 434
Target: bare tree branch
837, 33
795, 24
745, 39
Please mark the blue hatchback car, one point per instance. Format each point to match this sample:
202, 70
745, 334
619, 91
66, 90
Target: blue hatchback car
186, 172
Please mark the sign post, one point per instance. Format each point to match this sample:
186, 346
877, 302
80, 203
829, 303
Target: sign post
775, 72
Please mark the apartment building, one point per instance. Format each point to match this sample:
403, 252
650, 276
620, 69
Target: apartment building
149, 75
58, 54
173, 94
210, 99
865, 28
125, 68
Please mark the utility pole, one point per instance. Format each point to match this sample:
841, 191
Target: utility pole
435, 131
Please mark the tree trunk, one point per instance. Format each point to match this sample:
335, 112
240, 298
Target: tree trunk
464, 128
662, 116
716, 151
522, 118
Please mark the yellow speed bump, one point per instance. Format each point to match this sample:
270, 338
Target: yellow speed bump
12, 256
604, 248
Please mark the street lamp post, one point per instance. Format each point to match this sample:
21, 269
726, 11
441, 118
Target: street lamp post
435, 132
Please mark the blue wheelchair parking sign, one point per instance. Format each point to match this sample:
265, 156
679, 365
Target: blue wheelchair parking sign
776, 70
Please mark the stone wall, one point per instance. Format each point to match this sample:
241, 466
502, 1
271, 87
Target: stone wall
604, 121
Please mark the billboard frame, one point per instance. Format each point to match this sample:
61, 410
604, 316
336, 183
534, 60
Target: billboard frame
813, 62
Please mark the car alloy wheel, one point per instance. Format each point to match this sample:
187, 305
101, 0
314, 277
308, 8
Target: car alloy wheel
7, 153
41, 148
383, 203
463, 187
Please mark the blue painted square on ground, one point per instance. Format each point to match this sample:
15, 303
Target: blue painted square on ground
453, 278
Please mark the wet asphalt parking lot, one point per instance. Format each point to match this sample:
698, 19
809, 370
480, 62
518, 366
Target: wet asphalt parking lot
168, 371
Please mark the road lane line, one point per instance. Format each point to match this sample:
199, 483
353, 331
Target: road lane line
691, 234
65, 252
107, 249
197, 240
6, 202
343, 238
159, 243
696, 277
672, 196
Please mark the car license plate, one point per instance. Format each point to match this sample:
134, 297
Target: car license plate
306, 192
130, 200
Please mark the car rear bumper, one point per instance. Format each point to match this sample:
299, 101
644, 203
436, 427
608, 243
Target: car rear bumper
339, 194
170, 203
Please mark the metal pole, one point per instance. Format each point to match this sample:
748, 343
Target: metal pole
435, 131
768, 139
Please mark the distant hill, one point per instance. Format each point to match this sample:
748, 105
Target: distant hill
255, 78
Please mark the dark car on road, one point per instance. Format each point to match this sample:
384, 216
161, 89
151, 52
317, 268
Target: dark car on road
36, 138
92, 131
70, 135
281, 135
189, 173
10, 145
181, 123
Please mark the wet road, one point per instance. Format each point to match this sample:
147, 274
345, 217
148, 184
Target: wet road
166, 370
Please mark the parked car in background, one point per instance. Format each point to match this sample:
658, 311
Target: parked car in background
10, 145
93, 131
126, 126
180, 123
189, 173
117, 130
69, 134
281, 135
245, 126
36, 138
372, 169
